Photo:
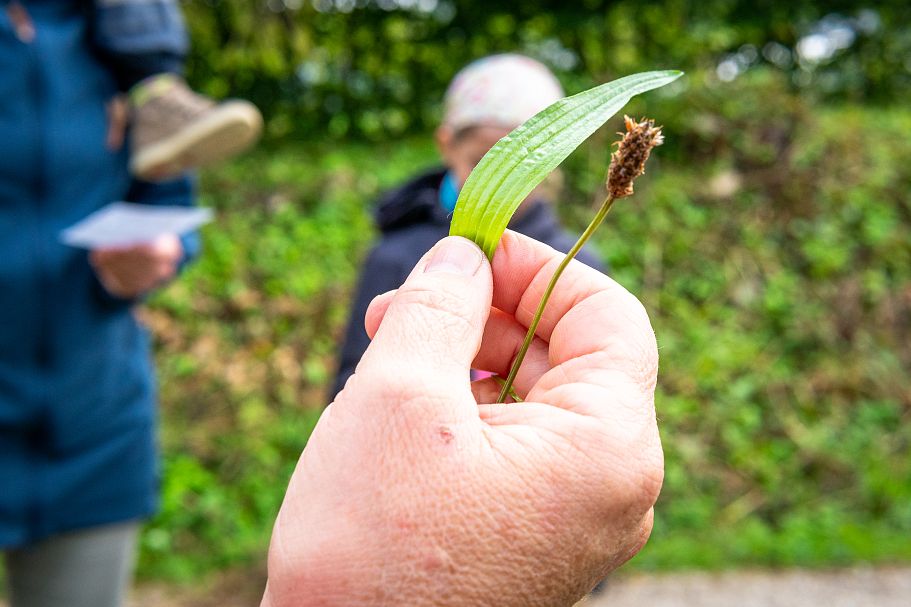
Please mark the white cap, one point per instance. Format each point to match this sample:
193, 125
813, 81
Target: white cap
500, 90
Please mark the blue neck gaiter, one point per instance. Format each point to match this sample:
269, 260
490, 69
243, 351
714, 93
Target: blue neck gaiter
449, 193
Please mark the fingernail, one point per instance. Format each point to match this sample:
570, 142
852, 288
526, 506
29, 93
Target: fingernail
456, 256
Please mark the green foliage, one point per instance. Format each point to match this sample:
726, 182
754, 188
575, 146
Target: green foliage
517, 163
375, 68
768, 240
776, 267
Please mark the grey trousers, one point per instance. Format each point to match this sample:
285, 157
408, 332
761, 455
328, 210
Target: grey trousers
85, 568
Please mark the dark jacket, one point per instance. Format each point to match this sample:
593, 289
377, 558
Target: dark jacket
411, 220
77, 406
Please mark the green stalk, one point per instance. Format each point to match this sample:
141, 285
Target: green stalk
530, 335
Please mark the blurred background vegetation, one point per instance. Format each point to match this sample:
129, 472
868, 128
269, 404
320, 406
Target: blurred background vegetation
769, 241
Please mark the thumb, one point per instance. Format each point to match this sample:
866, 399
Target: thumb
433, 326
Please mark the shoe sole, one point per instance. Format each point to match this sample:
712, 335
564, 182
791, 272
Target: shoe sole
228, 129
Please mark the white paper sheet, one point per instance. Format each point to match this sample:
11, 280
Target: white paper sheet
123, 223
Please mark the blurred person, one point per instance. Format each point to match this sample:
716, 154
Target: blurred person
483, 103
145, 42
174, 128
414, 490
78, 466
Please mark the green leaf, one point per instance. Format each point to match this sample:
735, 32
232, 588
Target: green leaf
521, 160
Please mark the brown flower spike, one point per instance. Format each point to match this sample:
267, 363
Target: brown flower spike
628, 161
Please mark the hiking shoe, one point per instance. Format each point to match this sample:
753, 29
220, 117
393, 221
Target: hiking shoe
175, 129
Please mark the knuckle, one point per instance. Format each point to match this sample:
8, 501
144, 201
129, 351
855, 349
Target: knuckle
645, 373
644, 351
633, 309
638, 365
632, 462
626, 339
418, 398
652, 479
443, 306
646, 480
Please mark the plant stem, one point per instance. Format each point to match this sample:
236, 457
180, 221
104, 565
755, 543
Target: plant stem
512, 393
530, 335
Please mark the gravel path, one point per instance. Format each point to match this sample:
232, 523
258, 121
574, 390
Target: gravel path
861, 587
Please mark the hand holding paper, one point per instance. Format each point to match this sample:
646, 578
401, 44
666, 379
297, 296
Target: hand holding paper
122, 224
131, 271
135, 247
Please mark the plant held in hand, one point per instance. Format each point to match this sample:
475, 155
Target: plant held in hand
627, 163
520, 161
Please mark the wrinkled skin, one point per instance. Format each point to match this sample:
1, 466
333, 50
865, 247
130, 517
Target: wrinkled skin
410, 492
131, 271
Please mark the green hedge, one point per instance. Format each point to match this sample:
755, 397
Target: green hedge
769, 241
371, 69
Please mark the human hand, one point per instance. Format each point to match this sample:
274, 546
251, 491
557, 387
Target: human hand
118, 117
131, 271
412, 490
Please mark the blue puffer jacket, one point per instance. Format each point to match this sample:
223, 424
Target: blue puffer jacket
77, 411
